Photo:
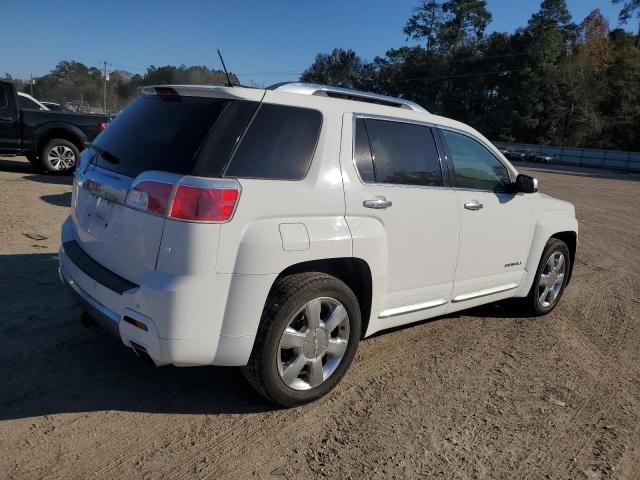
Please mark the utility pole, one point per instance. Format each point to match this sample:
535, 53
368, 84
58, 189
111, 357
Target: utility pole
105, 87
31, 83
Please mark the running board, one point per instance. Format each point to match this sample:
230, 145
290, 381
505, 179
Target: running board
484, 293
416, 307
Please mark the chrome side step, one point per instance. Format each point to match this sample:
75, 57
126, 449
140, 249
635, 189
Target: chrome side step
484, 293
416, 307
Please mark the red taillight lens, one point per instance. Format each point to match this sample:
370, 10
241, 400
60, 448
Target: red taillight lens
204, 204
195, 204
103, 125
150, 196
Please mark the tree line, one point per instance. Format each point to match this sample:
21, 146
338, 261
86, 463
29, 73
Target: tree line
552, 81
73, 81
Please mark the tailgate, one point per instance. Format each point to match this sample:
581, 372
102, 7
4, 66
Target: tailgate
121, 239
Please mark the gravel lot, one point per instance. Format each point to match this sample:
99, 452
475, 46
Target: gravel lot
475, 395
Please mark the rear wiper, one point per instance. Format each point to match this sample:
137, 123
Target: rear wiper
108, 156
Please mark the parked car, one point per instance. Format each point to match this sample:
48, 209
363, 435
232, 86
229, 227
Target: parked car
50, 140
273, 229
27, 102
56, 107
543, 158
517, 155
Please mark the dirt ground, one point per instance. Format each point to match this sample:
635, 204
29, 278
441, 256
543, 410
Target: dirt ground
475, 395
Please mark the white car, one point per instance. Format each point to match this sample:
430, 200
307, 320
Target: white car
26, 101
273, 229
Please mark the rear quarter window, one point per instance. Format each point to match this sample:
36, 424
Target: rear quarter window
279, 144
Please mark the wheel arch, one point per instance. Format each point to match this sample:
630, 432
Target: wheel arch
554, 225
70, 133
354, 272
570, 238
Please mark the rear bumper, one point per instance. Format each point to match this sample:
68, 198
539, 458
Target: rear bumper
183, 317
106, 318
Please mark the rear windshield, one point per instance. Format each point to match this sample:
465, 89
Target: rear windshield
157, 133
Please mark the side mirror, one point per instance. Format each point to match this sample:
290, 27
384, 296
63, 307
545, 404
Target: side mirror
526, 184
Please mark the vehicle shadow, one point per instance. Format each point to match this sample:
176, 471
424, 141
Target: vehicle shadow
58, 200
22, 165
53, 364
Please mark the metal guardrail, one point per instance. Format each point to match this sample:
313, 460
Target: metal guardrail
585, 157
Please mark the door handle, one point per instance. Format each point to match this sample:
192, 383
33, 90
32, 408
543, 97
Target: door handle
6, 119
377, 203
473, 205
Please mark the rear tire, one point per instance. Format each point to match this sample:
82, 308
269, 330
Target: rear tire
308, 336
550, 280
59, 156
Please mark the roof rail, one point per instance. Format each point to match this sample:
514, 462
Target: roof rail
345, 94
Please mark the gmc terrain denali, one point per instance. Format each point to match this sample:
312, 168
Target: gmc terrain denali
273, 229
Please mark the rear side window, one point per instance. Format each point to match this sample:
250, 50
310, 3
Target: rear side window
158, 133
279, 144
362, 153
402, 153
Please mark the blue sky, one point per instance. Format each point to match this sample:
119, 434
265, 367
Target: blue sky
262, 41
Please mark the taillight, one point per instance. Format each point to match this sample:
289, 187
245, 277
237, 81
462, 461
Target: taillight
184, 202
152, 197
204, 204
103, 125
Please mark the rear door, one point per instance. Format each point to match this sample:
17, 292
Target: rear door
402, 216
9, 120
495, 224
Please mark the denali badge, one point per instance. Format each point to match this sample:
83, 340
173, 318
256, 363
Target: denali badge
513, 264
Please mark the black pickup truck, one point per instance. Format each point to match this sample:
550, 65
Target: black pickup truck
50, 140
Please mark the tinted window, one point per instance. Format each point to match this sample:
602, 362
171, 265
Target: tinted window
27, 103
158, 133
278, 144
473, 166
403, 153
362, 153
4, 102
215, 152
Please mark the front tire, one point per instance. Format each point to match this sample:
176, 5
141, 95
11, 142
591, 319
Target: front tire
307, 339
59, 156
551, 278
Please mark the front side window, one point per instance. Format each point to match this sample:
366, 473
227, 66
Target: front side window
401, 153
279, 144
473, 166
4, 102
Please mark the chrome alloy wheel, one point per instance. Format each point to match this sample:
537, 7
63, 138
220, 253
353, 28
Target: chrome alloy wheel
313, 343
61, 157
551, 279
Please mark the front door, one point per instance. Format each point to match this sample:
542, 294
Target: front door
495, 225
404, 221
9, 133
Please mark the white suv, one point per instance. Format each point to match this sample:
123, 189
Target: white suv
273, 229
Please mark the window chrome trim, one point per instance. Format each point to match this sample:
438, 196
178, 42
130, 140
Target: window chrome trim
483, 293
416, 307
354, 120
